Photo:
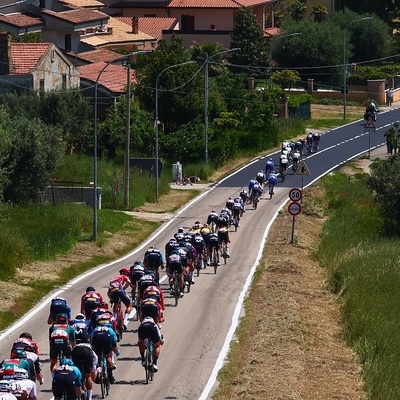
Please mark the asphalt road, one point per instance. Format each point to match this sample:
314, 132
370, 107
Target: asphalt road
198, 331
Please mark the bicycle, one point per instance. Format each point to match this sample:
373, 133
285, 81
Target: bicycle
235, 222
104, 382
256, 199
271, 190
175, 287
214, 259
120, 321
148, 357
295, 165
224, 251
188, 282
136, 304
199, 264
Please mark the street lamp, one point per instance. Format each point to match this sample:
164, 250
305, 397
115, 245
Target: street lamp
206, 97
344, 62
156, 120
270, 51
121, 58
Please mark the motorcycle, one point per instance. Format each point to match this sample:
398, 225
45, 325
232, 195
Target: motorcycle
370, 113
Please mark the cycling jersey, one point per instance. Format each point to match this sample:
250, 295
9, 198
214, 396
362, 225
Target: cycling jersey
89, 301
66, 378
23, 389
153, 259
59, 306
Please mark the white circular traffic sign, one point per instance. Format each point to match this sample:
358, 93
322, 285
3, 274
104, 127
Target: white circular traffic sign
294, 208
295, 194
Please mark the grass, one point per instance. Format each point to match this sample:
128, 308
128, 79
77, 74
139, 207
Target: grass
363, 271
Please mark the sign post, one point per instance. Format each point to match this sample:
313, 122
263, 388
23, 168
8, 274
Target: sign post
302, 171
368, 127
294, 207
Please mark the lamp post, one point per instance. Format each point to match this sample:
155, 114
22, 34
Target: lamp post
95, 203
344, 62
206, 97
270, 52
156, 120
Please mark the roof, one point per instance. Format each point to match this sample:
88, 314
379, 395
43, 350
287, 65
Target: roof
271, 32
121, 34
113, 77
140, 4
96, 55
21, 20
216, 3
84, 3
26, 56
152, 26
77, 16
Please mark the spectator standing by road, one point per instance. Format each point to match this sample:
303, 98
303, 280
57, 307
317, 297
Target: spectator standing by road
178, 173
390, 96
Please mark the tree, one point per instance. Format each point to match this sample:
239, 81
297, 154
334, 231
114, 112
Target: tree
34, 151
286, 78
319, 12
180, 89
247, 35
297, 9
384, 181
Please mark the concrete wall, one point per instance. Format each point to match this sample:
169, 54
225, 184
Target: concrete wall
68, 194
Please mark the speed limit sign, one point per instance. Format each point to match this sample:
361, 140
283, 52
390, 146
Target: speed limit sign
294, 209
295, 194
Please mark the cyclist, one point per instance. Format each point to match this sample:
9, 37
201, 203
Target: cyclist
104, 341
148, 329
257, 189
25, 342
244, 195
212, 220
89, 301
179, 235
116, 292
199, 244
283, 162
191, 255
260, 177
196, 228
155, 292
67, 379
269, 166
137, 271
205, 233
153, 260
5, 390
296, 159
175, 263
309, 142
316, 138
18, 359
102, 309
225, 218
86, 360
229, 203
272, 182
58, 306
62, 339
223, 236
81, 327
22, 386
214, 243
237, 209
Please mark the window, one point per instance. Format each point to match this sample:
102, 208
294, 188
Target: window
41, 87
187, 23
268, 16
68, 42
64, 81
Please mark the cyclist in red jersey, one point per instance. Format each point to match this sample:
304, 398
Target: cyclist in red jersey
89, 301
116, 291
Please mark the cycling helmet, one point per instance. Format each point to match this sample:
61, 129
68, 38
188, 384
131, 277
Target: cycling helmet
61, 318
5, 386
18, 353
67, 361
80, 316
180, 229
269, 159
20, 373
150, 248
137, 262
103, 304
172, 240
26, 335
90, 289
125, 271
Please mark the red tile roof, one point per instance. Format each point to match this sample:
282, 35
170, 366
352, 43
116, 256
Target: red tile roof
21, 20
97, 55
216, 3
26, 56
78, 15
113, 77
153, 26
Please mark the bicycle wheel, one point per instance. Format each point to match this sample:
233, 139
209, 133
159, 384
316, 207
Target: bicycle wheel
103, 377
120, 321
198, 265
176, 290
188, 282
255, 202
136, 304
271, 191
224, 252
215, 260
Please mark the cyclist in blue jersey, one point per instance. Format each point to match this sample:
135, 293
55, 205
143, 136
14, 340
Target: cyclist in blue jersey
269, 166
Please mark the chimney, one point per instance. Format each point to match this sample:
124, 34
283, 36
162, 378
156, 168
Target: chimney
5, 53
110, 30
135, 25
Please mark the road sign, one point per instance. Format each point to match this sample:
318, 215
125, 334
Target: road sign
302, 170
369, 125
294, 209
295, 194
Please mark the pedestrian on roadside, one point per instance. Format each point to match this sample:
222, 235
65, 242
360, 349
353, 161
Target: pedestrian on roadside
390, 97
178, 173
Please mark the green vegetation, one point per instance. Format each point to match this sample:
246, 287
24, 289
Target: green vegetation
362, 268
